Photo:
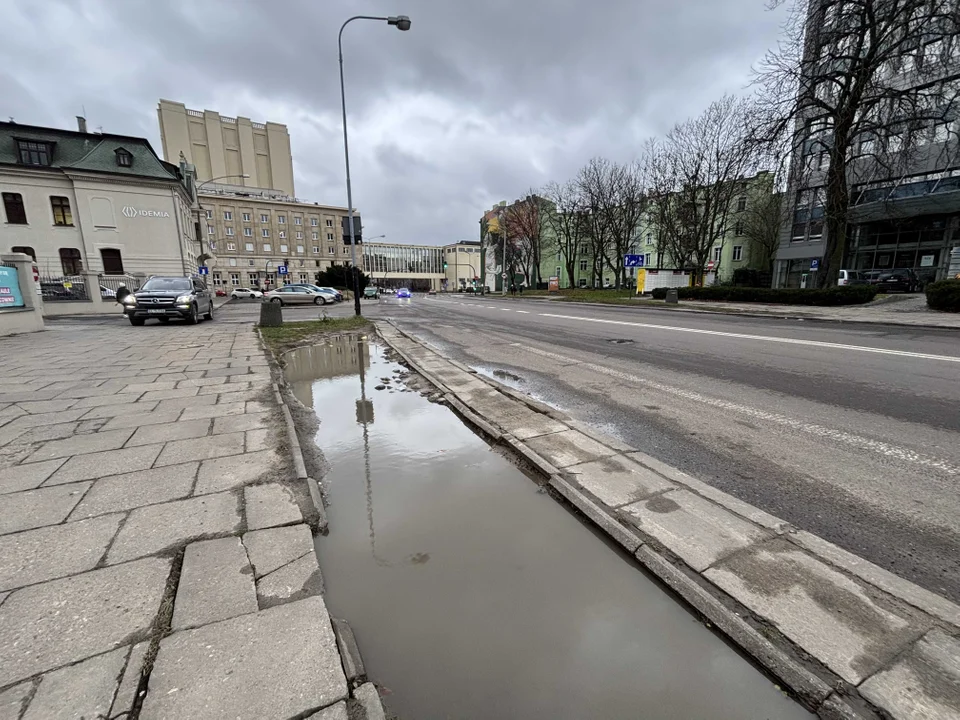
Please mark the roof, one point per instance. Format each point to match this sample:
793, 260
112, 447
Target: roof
92, 152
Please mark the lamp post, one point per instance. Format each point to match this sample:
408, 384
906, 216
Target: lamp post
401, 22
202, 257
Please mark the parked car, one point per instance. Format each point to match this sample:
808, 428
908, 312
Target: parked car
431, 291
297, 295
851, 277
163, 298
220, 292
902, 279
336, 294
871, 276
370, 292
404, 293
107, 294
245, 294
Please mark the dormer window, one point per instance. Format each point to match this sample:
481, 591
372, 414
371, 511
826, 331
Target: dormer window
124, 158
33, 152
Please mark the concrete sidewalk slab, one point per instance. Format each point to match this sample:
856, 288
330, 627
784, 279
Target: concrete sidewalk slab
223, 669
26, 477
270, 505
216, 583
47, 626
100, 464
236, 470
294, 581
617, 480
36, 508
568, 448
87, 688
116, 493
855, 631
275, 547
696, 530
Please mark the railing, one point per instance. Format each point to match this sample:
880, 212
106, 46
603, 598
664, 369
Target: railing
112, 283
195, 113
63, 289
258, 126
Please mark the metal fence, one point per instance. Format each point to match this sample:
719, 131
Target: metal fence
63, 289
109, 284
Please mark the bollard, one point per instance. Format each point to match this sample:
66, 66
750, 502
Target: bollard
673, 296
271, 314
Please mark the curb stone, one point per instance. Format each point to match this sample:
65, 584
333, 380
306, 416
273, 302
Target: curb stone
807, 676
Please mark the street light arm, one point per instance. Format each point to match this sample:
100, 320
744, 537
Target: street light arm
347, 22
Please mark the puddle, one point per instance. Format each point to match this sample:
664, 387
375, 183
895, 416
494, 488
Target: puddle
472, 594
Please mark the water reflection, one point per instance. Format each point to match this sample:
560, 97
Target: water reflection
341, 356
456, 574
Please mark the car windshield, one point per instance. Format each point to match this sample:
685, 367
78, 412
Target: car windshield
167, 284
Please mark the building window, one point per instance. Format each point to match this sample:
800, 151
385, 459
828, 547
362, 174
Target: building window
211, 229
583, 248
304, 277
209, 214
231, 246
235, 279
737, 253
281, 219
246, 217
816, 229
13, 207
314, 236
248, 247
251, 263
264, 218
232, 262
34, 153
284, 249
282, 233
741, 203
248, 232
267, 247
217, 280
265, 232
316, 250
227, 215
738, 228
124, 158
582, 282
61, 210
229, 231
647, 259
300, 249
329, 223
112, 262
70, 261
331, 250
716, 253
329, 236
798, 232
26, 250
583, 266
314, 222
649, 238
299, 235
297, 220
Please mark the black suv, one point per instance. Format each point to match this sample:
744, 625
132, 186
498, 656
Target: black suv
169, 297
900, 279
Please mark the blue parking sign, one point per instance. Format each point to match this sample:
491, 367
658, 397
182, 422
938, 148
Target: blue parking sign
815, 264
281, 269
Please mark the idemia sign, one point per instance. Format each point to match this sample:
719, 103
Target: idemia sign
132, 212
10, 288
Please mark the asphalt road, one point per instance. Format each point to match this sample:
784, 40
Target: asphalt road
847, 431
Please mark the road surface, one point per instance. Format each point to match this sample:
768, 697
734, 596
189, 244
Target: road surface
847, 431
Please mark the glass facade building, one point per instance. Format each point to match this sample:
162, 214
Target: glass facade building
402, 260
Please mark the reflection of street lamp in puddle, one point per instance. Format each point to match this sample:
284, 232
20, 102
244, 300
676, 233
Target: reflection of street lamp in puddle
365, 418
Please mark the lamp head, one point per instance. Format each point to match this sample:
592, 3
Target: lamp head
402, 22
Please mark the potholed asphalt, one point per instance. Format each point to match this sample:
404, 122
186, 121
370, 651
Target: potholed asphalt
472, 594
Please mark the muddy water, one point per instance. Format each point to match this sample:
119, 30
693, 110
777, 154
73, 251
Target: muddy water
473, 595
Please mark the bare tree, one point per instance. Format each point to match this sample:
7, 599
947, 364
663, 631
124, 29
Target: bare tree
596, 184
527, 220
762, 221
694, 174
568, 222
862, 89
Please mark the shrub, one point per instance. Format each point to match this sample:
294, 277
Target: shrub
944, 295
848, 295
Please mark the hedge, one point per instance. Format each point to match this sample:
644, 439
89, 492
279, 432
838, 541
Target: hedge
944, 295
848, 295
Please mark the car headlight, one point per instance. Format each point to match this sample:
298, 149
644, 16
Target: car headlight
129, 300
184, 299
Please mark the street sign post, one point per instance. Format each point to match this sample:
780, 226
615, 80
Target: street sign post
281, 270
710, 265
633, 261
815, 264
203, 270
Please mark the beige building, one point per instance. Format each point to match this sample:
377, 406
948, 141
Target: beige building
249, 233
463, 265
227, 147
77, 201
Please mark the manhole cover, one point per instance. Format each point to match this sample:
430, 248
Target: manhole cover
620, 341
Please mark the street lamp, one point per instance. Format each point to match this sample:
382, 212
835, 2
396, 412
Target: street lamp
203, 256
401, 22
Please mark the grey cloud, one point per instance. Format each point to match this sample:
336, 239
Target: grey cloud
478, 102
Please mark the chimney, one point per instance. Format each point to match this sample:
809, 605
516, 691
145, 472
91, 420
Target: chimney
82, 123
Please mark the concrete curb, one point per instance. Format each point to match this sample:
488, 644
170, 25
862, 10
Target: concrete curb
808, 677
742, 313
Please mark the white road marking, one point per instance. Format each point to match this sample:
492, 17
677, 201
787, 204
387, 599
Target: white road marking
525, 312
862, 443
491, 307
744, 336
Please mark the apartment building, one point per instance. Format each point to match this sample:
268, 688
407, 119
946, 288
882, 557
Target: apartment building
228, 147
75, 200
247, 234
903, 174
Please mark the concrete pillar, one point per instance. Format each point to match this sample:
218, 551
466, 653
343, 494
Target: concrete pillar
91, 281
29, 289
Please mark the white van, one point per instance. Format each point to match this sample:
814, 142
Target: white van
846, 276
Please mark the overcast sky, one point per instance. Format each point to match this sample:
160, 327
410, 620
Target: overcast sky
479, 101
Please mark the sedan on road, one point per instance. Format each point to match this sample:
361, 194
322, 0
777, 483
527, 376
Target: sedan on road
404, 293
245, 293
326, 291
297, 295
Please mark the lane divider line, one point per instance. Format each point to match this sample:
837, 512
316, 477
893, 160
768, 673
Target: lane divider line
766, 338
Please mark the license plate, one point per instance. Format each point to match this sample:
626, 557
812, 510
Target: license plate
156, 312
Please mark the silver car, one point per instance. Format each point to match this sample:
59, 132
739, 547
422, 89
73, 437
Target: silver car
296, 295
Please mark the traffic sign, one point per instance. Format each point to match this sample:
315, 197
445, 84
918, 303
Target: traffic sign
203, 270
281, 269
815, 264
631, 261
710, 265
